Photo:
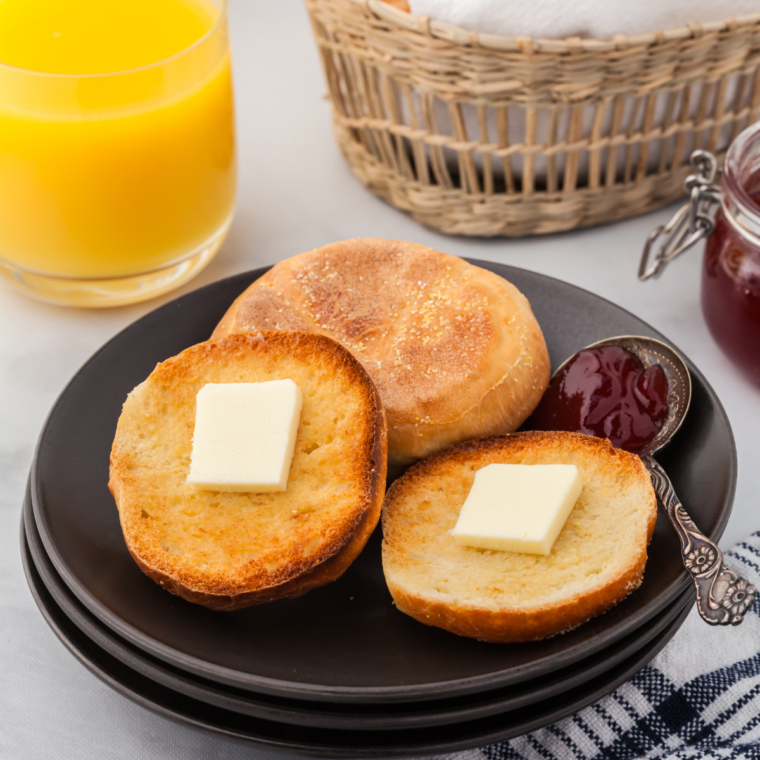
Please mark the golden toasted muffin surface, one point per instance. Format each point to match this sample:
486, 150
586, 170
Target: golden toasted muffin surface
228, 550
454, 350
597, 559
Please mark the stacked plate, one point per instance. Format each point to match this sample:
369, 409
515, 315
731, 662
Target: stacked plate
338, 672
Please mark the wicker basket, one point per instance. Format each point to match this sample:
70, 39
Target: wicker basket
477, 134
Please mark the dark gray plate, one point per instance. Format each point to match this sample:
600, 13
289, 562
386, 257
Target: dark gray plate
344, 642
320, 742
338, 716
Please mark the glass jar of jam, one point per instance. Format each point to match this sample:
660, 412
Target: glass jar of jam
728, 216
731, 270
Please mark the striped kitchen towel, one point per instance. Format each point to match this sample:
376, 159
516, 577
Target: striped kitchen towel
699, 698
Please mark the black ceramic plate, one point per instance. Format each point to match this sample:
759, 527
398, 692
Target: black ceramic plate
343, 642
320, 742
337, 716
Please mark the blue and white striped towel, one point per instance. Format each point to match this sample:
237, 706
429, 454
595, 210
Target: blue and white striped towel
699, 698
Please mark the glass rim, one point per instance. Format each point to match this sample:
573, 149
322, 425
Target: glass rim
123, 72
732, 168
740, 210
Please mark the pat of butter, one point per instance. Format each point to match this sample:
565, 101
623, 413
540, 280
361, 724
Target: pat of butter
244, 436
518, 507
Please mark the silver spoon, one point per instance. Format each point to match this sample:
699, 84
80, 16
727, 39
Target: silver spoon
722, 596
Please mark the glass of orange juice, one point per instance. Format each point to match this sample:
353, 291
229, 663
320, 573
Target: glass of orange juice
117, 146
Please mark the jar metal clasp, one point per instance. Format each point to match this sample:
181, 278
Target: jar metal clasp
691, 223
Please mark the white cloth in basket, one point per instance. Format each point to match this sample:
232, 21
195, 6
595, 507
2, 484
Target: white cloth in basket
586, 18
581, 18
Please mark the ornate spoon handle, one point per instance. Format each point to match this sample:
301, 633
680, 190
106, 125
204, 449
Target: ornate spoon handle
722, 596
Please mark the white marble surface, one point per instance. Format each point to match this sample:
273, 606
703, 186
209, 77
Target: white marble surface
295, 193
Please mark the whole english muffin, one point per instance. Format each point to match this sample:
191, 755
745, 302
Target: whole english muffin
231, 550
454, 350
500, 596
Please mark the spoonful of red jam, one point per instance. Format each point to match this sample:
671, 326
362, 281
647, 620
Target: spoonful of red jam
606, 391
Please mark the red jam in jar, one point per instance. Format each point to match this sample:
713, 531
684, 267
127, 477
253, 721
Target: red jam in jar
606, 392
731, 270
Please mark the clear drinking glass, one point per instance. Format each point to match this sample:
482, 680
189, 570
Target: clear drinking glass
115, 186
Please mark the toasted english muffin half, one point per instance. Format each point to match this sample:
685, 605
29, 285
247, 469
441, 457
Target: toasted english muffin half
454, 350
231, 550
500, 596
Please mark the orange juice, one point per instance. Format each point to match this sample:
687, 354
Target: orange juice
117, 148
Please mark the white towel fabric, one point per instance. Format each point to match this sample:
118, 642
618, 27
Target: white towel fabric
587, 18
581, 18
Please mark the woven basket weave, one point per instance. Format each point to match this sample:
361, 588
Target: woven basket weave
478, 134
